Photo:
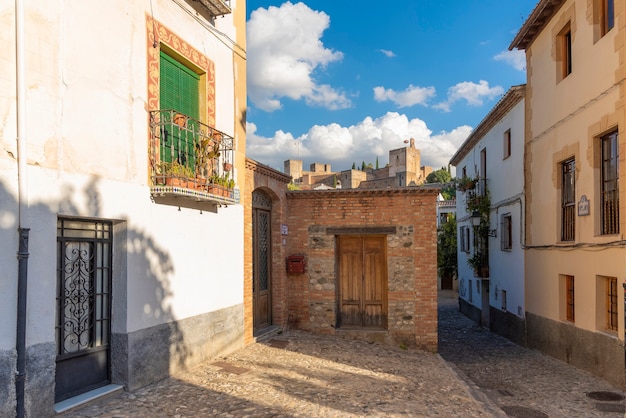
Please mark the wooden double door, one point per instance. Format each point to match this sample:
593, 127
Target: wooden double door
362, 268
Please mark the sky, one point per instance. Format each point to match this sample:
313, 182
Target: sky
343, 82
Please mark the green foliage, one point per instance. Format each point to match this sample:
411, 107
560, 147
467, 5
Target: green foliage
293, 186
176, 169
353, 165
439, 176
446, 249
466, 183
376, 163
363, 166
448, 191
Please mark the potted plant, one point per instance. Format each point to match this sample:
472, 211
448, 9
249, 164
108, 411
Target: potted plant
180, 120
206, 150
176, 174
475, 261
466, 183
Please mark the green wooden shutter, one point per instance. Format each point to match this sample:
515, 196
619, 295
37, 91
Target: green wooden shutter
179, 90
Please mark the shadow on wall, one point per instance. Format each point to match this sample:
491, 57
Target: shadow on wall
139, 262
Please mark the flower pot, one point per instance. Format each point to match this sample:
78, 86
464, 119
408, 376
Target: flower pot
175, 182
180, 120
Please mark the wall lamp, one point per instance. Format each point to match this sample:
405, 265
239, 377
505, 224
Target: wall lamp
475, 221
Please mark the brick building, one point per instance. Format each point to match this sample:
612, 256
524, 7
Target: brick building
369, 260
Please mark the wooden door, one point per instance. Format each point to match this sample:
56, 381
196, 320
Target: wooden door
362, 282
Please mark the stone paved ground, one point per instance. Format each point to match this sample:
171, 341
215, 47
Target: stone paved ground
296, 374
523, 382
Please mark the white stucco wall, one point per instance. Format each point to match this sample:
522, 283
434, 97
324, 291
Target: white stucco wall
87, 142
505, 181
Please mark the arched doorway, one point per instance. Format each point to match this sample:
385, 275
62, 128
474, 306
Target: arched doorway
261, 261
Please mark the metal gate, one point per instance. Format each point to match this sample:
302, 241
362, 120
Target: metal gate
83, 306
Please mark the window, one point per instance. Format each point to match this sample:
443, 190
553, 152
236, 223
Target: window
506, 240
611, 303
609, 184
504, 300
564, 49
569, 297
507, 145
608, 16
568, 200
464, 171
179, 89
465, 240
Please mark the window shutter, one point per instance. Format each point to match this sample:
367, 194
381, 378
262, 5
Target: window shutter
179, 90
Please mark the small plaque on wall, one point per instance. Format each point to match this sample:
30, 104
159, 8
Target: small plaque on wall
583, 206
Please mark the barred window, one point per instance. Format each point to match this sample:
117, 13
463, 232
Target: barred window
506, 236
610, 183
568, 200
611, 303
465, 239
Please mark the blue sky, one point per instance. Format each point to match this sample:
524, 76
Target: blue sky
341, 82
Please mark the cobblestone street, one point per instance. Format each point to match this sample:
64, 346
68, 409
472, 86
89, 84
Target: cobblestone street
295, 374
522, 382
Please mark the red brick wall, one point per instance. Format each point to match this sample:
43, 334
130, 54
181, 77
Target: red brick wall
411, 257
274, 184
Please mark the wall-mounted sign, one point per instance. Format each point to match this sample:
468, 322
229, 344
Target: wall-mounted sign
284, 230
583, 206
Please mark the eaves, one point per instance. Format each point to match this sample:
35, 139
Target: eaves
511, 98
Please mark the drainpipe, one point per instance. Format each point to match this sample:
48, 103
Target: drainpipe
22, 253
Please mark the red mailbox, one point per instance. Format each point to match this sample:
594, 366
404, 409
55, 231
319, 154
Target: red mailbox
295, 264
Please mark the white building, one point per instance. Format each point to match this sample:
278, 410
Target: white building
122, 279
491, 291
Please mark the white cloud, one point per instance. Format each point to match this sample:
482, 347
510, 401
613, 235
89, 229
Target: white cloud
284, 50
472, 93
365, 141
515, 58
388, 53
411, 96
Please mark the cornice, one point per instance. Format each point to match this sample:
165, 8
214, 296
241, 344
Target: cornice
511, 98
539, 17
265, 170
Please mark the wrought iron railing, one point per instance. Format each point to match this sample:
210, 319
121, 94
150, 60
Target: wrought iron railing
188, 156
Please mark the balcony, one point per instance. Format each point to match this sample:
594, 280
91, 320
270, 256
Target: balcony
216, 7
190, 163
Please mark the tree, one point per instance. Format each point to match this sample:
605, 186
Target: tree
439, 176
376, 163
446, 249
442, 176
353, 165
363, 166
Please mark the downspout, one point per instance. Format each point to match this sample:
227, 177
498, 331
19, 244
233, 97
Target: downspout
22, 252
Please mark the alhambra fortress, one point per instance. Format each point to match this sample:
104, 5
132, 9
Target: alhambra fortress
404, 169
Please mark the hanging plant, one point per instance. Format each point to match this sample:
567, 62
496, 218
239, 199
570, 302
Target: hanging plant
465, 183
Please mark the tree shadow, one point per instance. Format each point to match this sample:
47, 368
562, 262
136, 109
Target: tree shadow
140, 261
